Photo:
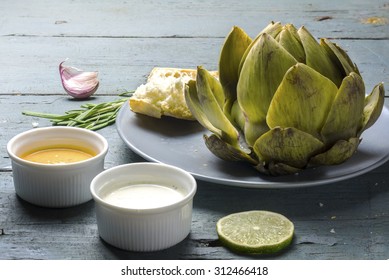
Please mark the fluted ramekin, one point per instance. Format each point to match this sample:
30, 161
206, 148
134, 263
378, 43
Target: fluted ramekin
146, 229
52, 185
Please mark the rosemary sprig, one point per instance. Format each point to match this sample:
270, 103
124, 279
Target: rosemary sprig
90, 116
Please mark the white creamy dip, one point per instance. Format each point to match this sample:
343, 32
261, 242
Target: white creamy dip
143, 196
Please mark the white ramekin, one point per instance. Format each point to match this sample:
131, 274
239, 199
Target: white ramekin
149, 229
56, 186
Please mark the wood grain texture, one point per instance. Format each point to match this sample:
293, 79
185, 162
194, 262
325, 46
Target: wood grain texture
214, 18
123, 64
344, 220
124, 40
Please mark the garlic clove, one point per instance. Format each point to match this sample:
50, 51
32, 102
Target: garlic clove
78, 83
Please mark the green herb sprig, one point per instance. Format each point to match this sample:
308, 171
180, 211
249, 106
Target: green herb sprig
90, 116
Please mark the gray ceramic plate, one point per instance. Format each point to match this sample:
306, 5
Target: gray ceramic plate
180, 143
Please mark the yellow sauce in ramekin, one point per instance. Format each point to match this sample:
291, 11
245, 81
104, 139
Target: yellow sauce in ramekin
58, 155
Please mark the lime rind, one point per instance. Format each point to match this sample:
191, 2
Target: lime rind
255, 232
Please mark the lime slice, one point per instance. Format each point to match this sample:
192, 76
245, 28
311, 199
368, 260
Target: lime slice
255, 232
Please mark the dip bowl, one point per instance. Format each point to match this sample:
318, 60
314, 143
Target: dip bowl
56, 185
143, 206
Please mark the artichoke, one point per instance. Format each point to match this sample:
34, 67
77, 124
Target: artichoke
283, 101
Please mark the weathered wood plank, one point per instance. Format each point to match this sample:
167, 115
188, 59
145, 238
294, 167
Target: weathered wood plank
339, 19
124, 64
344, 220
123, 40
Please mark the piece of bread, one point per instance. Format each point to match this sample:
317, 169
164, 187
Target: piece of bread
163, 94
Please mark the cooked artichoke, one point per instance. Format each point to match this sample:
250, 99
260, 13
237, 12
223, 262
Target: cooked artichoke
283, 101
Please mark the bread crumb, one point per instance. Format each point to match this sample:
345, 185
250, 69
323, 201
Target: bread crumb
164, 94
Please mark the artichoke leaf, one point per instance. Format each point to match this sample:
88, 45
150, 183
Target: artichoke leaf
339, 56
231, 54
262, 72
193, 103
318, 59
374, 104
271, 29
289, 146
237, 116
208, 88
276, 169
302, 100
227, 152
209, 81
290, 40
345, 116
337, 154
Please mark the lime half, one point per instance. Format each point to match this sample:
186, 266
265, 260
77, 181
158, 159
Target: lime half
255, 232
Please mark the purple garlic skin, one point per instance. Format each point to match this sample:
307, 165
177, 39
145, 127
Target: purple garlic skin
78, 83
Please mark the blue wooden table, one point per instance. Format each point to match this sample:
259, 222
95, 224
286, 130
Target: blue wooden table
124, 40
